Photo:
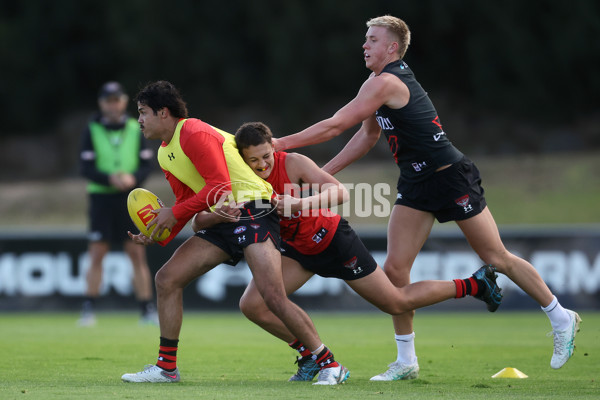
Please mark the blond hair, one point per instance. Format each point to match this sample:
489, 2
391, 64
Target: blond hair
396, 27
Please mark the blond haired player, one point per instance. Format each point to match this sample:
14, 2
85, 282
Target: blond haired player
437, 182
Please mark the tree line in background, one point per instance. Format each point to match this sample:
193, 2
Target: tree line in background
505, 76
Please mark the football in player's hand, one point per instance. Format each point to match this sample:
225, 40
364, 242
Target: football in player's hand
140, 204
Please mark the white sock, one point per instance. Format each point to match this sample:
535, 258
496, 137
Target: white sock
318, 350
406, 348
559, 317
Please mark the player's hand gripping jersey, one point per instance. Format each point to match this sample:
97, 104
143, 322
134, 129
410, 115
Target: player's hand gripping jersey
308, 231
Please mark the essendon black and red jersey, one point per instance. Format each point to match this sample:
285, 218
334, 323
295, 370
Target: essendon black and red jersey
414, 132
308, 231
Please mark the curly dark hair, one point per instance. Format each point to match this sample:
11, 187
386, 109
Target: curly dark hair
252, 134
161, 94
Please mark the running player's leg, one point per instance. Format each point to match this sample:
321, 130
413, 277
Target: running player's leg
254, 308
377, 289
264, 261
192, 259
408, 230
483, 236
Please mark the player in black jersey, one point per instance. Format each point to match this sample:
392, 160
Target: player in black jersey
437, 182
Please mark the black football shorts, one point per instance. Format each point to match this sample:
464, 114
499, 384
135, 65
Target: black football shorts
345, 258
452, 194
258, 222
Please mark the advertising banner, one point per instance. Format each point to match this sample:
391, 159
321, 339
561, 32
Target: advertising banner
47, 272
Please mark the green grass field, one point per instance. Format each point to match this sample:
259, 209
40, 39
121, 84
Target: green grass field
223, 356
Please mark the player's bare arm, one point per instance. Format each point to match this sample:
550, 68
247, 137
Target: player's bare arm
375, 92
225, 213
302, 170
359, 145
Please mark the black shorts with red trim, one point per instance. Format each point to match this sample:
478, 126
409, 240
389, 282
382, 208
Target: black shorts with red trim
258, 223
345, 258
452, 194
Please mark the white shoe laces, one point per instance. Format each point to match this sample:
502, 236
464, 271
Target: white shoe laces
561, 344
147, 369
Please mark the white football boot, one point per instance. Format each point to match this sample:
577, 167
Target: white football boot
564, 341
153, 374
398, 371
332, 375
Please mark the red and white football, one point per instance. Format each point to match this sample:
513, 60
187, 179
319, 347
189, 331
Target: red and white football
140, 204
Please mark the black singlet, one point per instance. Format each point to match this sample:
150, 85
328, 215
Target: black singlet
414, 132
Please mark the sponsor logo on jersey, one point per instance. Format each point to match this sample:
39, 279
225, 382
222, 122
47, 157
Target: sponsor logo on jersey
239, 229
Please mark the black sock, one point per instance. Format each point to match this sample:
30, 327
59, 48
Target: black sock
325, 359
300, 348
147, 307
89, 304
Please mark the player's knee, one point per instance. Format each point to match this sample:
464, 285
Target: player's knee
248, 307
502, 260
163, 281
398, 276
399, 307
255, 312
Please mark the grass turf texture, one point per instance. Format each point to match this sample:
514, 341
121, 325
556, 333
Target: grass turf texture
223, 356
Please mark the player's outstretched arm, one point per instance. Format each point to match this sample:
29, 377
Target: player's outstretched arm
372, 95
360, 144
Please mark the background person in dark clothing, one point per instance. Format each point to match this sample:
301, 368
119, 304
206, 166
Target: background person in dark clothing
115, 159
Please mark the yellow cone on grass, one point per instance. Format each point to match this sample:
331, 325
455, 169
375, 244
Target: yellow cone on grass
509, 373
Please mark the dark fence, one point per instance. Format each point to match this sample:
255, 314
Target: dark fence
47, 272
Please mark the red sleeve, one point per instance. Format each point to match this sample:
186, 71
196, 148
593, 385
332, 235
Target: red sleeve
181, 192
205, 149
